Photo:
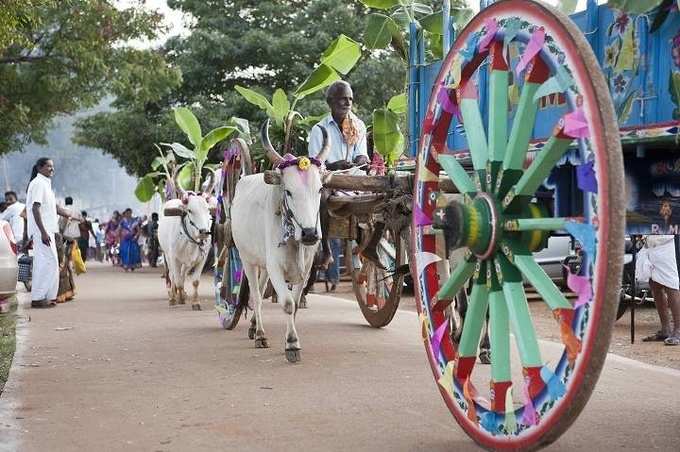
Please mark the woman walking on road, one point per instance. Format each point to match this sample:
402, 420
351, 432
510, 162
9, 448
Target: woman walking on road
130, 253
111, 237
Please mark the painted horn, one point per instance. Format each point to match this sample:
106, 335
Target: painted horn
326, 146
273, 156
178, 188
211, 183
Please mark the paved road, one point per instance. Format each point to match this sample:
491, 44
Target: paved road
118, 370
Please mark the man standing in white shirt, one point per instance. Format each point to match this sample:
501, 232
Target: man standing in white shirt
12, 215
42, 212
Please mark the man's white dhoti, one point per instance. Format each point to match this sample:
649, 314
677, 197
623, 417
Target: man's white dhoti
661, 251
45, 270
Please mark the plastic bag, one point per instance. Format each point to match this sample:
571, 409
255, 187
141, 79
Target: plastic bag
78, 263
643, 267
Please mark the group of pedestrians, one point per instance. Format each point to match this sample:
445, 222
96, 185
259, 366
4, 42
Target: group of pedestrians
63, 239
129, 239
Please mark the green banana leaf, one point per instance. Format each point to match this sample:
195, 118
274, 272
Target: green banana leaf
256, 99
379, 31
388, 140
342, 54
186, 121
380, 4
322, 77
145, 189
281, 106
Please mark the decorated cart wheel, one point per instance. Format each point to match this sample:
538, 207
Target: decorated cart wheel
527, 61
377, 289
231, 286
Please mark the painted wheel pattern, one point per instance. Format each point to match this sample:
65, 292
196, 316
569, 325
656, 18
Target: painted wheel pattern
231, 286
378, 290
536, 390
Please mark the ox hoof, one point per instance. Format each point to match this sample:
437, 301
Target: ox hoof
251, 332
303, 303
195, 307
261, 342
293, 356
172, 303
180, 301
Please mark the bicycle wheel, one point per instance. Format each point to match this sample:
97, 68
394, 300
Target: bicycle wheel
498, 224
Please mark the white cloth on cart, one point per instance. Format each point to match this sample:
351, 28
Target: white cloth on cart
45, 284
661, 249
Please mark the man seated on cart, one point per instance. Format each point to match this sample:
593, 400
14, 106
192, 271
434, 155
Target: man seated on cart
347, 134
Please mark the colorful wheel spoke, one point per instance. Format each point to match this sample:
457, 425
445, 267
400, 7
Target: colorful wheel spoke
536, 224
499, 333
539, 279
518, 310
456, 281
474, 320
540, 168
522, 124
474, 126
457, 174
498, 104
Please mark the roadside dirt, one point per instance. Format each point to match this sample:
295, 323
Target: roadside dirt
646, 323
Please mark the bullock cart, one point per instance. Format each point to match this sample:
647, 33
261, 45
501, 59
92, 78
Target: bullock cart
518, 108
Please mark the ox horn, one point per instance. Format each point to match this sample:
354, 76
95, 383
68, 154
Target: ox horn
273, 156
178, 188
211, 183
326, 146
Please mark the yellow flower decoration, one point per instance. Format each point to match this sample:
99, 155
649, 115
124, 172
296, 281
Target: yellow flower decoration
303, 163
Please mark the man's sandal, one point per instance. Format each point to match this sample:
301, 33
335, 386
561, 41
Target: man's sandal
672, 340
659, 336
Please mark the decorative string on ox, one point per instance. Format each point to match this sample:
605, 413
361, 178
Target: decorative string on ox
491, 27
529, 413
585, 177
377, 167
556, 388
532, 48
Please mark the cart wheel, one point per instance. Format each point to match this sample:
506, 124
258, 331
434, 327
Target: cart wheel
378, 290
231, 285
536, 393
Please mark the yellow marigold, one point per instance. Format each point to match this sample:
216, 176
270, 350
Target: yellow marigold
303, 163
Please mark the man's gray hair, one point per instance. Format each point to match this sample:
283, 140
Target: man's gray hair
335, 86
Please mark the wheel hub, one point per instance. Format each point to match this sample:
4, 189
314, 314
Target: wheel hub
474, 224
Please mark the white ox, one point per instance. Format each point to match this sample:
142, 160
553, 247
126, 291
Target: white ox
265, 205
184, 237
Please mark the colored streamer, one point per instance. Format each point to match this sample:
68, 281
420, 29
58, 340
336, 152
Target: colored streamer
469, 394
558, 83
556, 388
584, 233
581, 286
490, 422
491, 28
437, 338
510, 418
445, 101
529, 414
585, 177
534, 46
421, 218
575, 124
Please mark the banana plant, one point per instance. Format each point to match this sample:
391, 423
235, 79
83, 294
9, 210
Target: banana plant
197, 156
189, 176
388, 139
338, 59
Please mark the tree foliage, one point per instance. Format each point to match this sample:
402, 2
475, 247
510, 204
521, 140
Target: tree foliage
57, 57
263, 45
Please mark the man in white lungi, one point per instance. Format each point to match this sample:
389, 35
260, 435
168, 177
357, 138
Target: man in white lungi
42, 210
664, 284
